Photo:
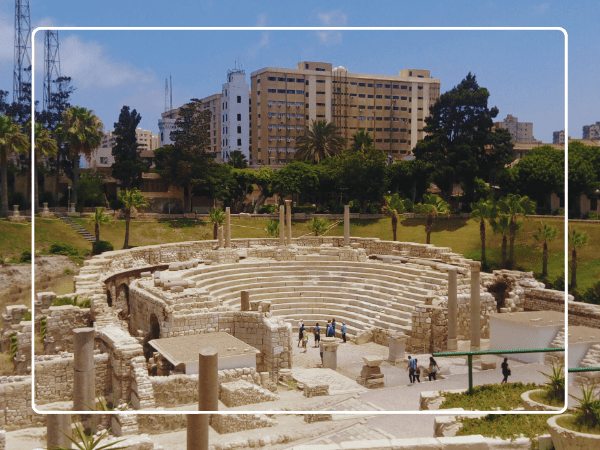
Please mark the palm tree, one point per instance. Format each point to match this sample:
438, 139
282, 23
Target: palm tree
322, 140
361, 141
131, 199
81, 129
482, 211
45, 145
216, 217
11, 140
394, 206
515, 206
99, 218
272, 228
238, 160
578, 240
502, 225
545, 234
90, 440
432, 206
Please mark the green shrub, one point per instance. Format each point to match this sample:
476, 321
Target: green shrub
62, 248
43, 327
304, 209
268, 209
593, 216
318, 225
18, 198
272, 228
587, 413
27, 316
489, 397
13, 346
48, 197
25, 256
67, 272
592, 295
555, 386
61, 301
115, 204
101, 246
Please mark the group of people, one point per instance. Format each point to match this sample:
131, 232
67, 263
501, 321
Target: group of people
414, 370
329, 332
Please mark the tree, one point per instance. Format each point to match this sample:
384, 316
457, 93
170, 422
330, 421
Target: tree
81, 130
482, 211
411, 178
238, 160
460, 141
99, 218
187, 161
264, 178
11, 141
432, 206
394, 206
515, 206
584, 172
578, 239
216, 217
45, 146
322, 140
131, 198
318, 225
544, 234
296, 178
89, 190
361, 141
502, 225
128, 166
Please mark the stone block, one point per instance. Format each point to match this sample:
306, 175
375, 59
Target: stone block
379, 444
424, 443
474, 442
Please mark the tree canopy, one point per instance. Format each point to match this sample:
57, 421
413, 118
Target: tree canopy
320, 141
128, 166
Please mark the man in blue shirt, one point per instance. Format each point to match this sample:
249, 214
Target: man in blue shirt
412, 366
317, 333
300, 332
344, 331
333, 328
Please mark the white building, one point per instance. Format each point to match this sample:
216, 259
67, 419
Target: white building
235, 117
102, 156
166, 124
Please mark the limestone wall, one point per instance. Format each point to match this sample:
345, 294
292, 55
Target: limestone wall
22, 361
15, 404
60, 322
161, 423
54, 377
232, 423
240, 393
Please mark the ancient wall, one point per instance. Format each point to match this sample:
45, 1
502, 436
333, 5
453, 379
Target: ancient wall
161, 423
15, 404
241, 392
232, 423
537, 299
22, 361
60, 322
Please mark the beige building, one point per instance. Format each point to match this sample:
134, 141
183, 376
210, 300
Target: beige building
284, 101
102, 156
521, 132
591, 131
558, 137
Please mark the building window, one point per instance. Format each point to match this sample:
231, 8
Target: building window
320, 81
103, 160
239, 142
320, 70
239, 99
361, 95
396, 86
379, 85
378, 96
300, 80
281, 91
378, 107
272, 79
239, 117
404, 108
388, 86
239, 129
370, 96
370, 85
404, 87
378, 129
361, 117
320, 93
300, 92
362, 84
353, 83
306, 66
388, 97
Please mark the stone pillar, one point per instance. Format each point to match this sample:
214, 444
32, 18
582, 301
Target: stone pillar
288, 210
72, 209
329, 346
346, 225
475, 325
227, 227
220, 236
58, 427
281, 225
197, 431
397, 348
245, 301
452, 309
208, 399
83, 364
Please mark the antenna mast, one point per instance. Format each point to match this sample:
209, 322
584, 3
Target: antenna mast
22, 65
171, 91
51, 65
166, 94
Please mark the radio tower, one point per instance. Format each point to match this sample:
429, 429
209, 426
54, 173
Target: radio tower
166, 94
51, 65
171, 92
22, 68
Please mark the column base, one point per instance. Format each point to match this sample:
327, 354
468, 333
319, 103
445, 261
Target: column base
452, 345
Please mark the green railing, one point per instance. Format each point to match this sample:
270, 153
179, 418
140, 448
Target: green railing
470, 355
583, 369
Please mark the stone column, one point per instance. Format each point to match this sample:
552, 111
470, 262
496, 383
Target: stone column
452, 309
288, 210
72, 208
475, 325
57, 426
197, 431
220, 236
83, 364
329, 346
397, 348
208, 399
227, 227
346, 225
281, 225
245, 301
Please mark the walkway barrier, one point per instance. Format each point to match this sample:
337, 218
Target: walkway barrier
583, 369
470, 355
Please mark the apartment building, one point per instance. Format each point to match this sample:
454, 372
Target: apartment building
591, 131
558, 137
102, 157
390, 108
521, 132
235, 119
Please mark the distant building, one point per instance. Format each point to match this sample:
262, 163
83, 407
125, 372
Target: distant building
235, 118
521, 132
591, 131
558, 137
102, 157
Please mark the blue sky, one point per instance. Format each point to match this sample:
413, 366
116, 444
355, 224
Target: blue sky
524, 70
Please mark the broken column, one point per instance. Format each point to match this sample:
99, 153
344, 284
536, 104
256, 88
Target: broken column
288, 210
346, 225
329, 346
83, 364
475, 326
245, 306
58, 427
228, 227
397, 348
208, 399
370, 375
281, 225
452, 309
220, 236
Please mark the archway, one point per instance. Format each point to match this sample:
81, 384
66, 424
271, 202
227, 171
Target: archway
500, 291
123, 298
109, 297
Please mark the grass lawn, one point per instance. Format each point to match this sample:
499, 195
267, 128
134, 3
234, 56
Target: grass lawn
489, 397
588, 257
506, 426
16, 237
545, 398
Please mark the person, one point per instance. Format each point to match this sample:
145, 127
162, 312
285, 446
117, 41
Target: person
317, 333
333, 328
305, 341
344, 331
417, 371
411, 369
300, 332
433, 368
328, 330
505, 371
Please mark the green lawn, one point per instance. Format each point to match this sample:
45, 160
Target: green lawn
588, 257
15, 238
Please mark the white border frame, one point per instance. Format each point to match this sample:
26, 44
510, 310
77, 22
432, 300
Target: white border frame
432, 412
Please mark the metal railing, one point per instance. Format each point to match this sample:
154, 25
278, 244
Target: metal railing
470, 355
583, 369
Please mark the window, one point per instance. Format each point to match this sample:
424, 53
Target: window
396, 86
379, 85
378, 129
362, 84
378, 96
387, 108
290, 80
281, 91
370, 107
258, 81
388, 86
320, 70
361, 95
272, 79
404, 87
395, 97
280, 79
395, 130
320, 81
300, 80
370, 96
239, 117
388, 97
410, 73
387, 130
378, 107
306, 66
420, 98
404, 98
320, 104
353, 83
320, 93
369, 129
239, 142
258, 93
361, 117
291, 91
378, 140
370, 85
239, 129
404, 108
239, 99
103, 160
378, 118
300, 92
420, 88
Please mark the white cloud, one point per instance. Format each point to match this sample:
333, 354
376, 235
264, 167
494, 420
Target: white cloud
331, 19
262, 20
264, 41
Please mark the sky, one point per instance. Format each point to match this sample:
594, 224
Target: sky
523, 70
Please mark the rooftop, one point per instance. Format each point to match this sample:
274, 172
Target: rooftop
533, 318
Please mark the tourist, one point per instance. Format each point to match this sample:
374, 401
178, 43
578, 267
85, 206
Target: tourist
433, 368
328, 330
333, 328
344, 331
317, 333
411, 369
305, 341
300, 332
417, 371
505, 371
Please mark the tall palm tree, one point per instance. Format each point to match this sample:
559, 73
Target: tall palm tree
46, 146
502, 225
361, 141
483, 211
216, 217
515, 206
578, 239
238, 160
394, 206
81, 129
431, 206
11, 140
543, 235
131, 199
99, 218
322, 140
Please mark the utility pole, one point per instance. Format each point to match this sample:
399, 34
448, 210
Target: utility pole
22, 66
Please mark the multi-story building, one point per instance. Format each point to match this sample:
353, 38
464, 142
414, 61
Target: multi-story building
390, 108
521, 132
558, 137
591, 131
102, 156
235, 120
